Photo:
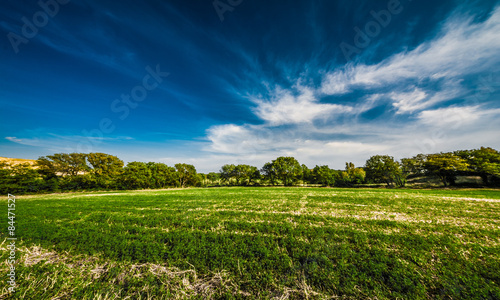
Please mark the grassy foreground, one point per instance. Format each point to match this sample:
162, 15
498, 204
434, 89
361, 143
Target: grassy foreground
258, 243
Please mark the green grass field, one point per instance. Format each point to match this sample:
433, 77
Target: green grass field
259, 243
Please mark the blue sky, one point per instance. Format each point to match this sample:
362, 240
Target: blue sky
247, 81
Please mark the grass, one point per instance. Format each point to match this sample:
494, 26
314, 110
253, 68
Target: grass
259, 243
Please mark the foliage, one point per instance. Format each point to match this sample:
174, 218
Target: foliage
136, 175
187, 175
353, 175
307, 175
71, 164
19, 179
227, 172
214, 178
239, 174
445, 166
324, 175
269, 172
414, 166
484, 161
101, 171
104, 169
287, 169
162, 176
383, 168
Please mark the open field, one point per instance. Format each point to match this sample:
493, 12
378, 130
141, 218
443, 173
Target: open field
270, 243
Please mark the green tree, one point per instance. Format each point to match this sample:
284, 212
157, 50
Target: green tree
288, 169
19, 179
104, 169
354, 175
162, 176
324, 175
136, 175
485, 162
246, 174
307, 176
269, 172
187, 175
69, 169
46, 167
383, 168
71, 164
415, 166
227, 173
445, 166
253, 174
214, 178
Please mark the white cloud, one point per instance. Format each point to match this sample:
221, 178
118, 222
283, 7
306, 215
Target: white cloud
336, 83
409, 101
418, 99
420, 79
462, 48
229, 138
286, 108
455, 117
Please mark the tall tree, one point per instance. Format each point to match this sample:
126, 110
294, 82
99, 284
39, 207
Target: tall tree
104, 168
354, 175
324, 175
47, 168
306, 174
187, 174
269, 172
136, 175
214, 178
445, 166
162, 176
414, 166
63, 164
288, 169
383, 168
245, 174
227, 173
484, 161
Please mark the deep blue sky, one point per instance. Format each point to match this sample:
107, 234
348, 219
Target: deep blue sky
263, 79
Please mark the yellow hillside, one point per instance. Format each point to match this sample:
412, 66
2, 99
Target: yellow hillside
16, 161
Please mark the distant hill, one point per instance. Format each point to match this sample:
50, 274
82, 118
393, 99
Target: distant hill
17, 161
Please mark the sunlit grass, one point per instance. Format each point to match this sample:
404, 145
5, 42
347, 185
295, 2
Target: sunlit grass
261, 243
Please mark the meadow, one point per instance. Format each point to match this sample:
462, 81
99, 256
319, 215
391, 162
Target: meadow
258, 243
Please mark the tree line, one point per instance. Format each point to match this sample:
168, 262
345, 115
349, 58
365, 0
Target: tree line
101, 171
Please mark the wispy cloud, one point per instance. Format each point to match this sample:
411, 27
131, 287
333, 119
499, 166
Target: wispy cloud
462, 48
454, 117
64, 143
418, 98
286, 108
415, 83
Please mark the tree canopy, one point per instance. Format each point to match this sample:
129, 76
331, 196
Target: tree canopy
86, 171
